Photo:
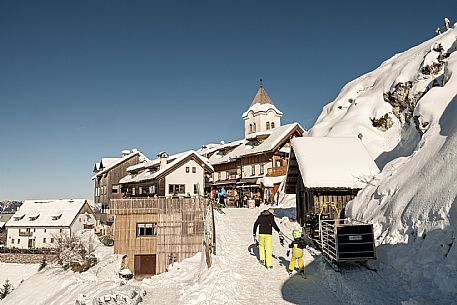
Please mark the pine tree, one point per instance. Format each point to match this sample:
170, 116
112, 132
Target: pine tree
7, 288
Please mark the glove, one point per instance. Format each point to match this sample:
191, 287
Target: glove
288, 253
255, 239
281, 239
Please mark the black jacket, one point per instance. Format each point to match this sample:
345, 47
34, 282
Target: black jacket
299, 242
265, 222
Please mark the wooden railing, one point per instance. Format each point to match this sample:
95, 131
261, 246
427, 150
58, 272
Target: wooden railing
277, 171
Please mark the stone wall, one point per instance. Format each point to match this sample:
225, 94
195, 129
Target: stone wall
22, 258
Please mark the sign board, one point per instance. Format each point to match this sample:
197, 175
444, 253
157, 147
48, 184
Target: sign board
355, 237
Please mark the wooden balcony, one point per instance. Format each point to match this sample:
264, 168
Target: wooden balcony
25, 233
277, 171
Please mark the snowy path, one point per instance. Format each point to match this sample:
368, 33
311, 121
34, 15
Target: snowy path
237, 277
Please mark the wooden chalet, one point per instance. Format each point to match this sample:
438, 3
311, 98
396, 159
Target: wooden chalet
108, 173
326, 171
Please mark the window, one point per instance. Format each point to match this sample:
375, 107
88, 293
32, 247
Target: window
252, 170
268, 125
250, 128
187, 169
12, 241
133, 191
262, 170
44, 230
253, 128
44, 240
52, 240
146, 229
114, 190
176, 189
140, 190
272, 125
60, 230
194, 169
18, 241
216, 176
195, 188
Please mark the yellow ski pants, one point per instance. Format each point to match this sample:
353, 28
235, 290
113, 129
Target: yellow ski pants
301, 265
265, 249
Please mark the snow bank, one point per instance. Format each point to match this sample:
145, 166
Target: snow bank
412, 203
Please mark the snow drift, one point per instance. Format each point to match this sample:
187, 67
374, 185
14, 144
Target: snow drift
404, 112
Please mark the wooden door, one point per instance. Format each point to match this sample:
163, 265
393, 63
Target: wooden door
145, 264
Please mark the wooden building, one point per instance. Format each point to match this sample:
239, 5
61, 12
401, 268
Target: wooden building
153, 233
108, 173
263, 152
326, 171
181, 175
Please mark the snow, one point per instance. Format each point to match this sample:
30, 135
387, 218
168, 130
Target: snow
16, 273
258, 107
412, 202
147, 174
275, 137
39, 213
333, 162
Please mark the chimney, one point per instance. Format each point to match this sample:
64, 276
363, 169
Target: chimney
163, 157
125, 153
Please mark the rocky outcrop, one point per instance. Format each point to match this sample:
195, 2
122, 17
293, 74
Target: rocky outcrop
383, 123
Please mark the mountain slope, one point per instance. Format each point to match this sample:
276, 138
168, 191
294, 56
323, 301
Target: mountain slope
405, 114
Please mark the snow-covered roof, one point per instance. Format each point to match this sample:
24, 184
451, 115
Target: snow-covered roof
112, 162
270, 181
46, 213
261, 103
333, 162
277, 135
147, 174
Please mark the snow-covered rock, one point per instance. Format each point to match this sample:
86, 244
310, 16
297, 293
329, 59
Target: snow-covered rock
412, 203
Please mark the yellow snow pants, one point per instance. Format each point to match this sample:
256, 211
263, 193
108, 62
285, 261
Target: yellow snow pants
265, 249
301, 265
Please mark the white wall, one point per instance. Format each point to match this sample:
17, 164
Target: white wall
260, 119
80, 221
37, 234
179, 176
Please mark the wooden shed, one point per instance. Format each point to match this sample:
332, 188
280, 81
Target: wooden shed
325, 170
156, 232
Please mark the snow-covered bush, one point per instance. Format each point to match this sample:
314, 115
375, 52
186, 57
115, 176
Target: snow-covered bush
75, 252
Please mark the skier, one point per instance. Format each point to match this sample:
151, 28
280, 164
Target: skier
266, 222
297, 246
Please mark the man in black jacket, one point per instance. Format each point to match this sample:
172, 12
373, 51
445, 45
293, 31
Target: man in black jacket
266, 223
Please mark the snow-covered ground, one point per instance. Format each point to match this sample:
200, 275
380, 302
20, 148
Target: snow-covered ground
236, 277
16, 273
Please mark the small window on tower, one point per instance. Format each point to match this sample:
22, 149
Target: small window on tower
272, 125
268, 125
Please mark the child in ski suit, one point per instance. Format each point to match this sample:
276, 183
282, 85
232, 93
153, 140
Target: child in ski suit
297, 246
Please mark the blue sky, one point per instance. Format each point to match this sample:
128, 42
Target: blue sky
82, 80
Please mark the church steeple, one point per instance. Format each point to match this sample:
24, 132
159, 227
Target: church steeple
262, 115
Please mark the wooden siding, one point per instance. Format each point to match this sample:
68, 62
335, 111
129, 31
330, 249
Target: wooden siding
111, 178
180, 229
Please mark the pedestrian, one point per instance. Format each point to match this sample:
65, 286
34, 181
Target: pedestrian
297, 246
266, 223
221, 195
